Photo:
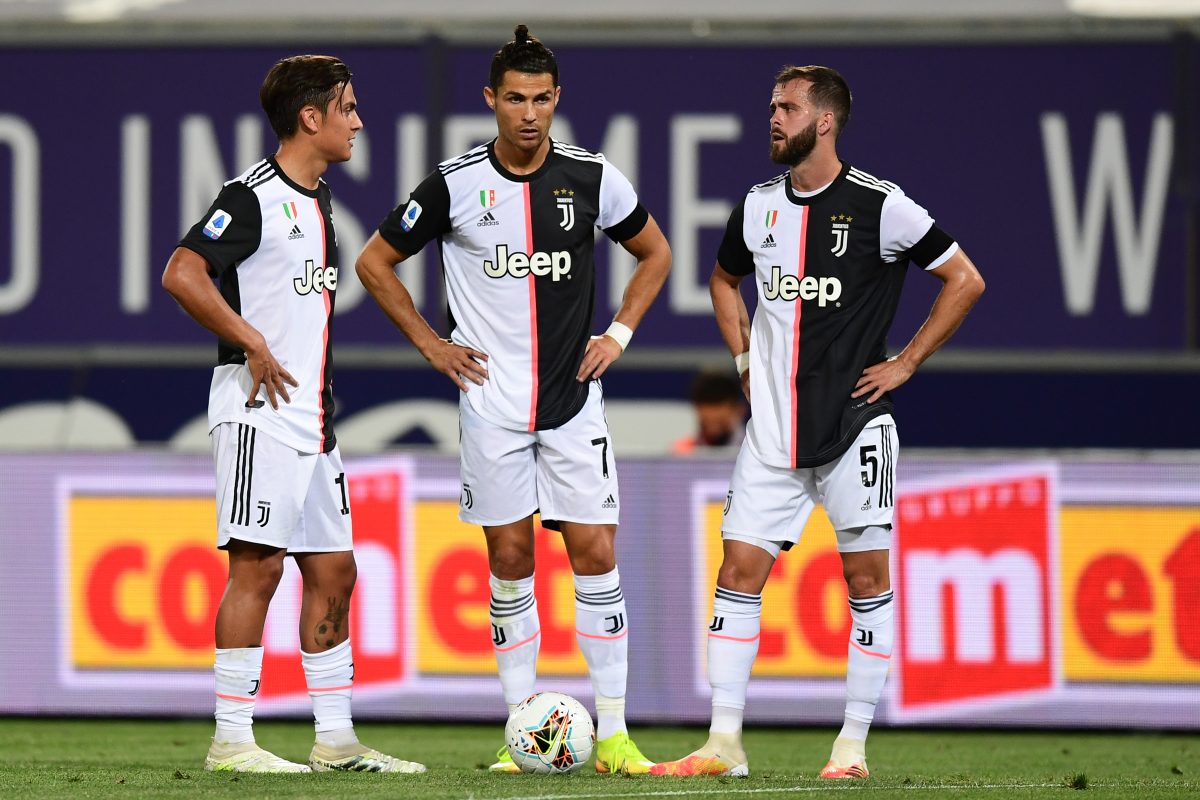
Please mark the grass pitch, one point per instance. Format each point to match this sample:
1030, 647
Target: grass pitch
134, 759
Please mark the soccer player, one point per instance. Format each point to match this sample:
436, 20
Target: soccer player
269, 239
828, 246
515, 222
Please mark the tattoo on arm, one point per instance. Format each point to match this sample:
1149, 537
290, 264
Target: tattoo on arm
336, 617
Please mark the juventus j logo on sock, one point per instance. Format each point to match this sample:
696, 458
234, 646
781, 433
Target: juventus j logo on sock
617, 621
498, 637
718, 624
865, 638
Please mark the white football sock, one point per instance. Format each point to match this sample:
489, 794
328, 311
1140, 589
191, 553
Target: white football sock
238, 673
329, 676
516, 636
602, 630
732, 647
871, 635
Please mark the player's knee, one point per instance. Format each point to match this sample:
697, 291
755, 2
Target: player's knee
596, 558
510, 563
734, 576
346, 574
262, 580
865, 584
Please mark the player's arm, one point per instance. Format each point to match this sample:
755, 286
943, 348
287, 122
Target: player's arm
231, 234
961, 287
186, 279
734, 263
733, 318
653, 256
376, 268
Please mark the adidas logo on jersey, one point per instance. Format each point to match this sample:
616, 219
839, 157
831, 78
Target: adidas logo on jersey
768, 242
556, 264
296, 233
789, 287
609, 502
487, 221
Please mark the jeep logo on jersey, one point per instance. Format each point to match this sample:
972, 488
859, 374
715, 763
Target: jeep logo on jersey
315, 279
810, 287
841, 233
565, 198
518, 265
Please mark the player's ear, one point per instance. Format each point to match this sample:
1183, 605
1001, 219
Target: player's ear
489, 97
310, 119
825, 124
557, 95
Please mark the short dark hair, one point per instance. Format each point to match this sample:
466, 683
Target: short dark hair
300, 81
712, 386
523, 54
827, 90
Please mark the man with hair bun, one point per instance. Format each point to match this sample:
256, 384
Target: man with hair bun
515, 221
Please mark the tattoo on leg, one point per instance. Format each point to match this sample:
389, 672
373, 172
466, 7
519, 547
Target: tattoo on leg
331, 625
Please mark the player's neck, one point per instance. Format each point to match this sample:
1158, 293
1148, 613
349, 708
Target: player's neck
302, 168
816, 171
521, 162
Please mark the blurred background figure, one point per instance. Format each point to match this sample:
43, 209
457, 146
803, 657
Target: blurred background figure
720, 409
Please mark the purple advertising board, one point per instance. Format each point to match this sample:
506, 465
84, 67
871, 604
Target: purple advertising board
1022, 600
1052, 164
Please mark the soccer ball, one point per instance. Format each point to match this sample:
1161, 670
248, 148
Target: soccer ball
550, 733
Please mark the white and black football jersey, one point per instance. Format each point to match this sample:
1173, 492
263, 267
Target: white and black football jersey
829, 268
272, 246
518, 257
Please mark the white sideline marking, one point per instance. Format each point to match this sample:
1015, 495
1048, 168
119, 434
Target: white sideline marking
779, 790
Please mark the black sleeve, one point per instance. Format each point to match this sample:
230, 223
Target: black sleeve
931, 246
424, 217
629, 227
230, 231
733, 256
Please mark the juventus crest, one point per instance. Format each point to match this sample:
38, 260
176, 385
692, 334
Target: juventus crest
841, 233
565, 198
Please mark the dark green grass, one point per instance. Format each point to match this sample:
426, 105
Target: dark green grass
108, 758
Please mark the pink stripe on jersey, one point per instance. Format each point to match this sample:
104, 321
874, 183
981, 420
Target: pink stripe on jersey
796, 331
533, 332
324, 335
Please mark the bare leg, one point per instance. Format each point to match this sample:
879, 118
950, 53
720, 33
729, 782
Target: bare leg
325, 610
254, 573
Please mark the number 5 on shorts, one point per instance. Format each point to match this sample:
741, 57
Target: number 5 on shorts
866, 457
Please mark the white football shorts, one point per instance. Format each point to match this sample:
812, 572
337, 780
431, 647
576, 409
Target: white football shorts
568, 473
270, 494
857, 490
